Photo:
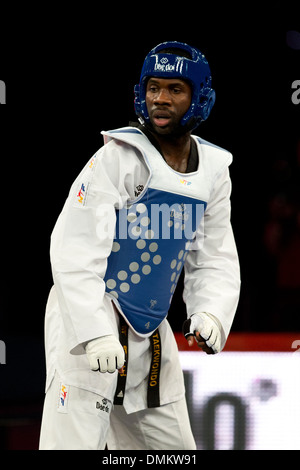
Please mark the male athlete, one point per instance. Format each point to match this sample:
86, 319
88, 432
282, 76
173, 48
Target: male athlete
152, 201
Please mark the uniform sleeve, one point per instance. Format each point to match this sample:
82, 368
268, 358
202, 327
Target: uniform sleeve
212, 274
82, 241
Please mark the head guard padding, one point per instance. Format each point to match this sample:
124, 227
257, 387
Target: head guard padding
170, 65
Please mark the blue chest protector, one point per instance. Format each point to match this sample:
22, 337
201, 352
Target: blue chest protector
150, 247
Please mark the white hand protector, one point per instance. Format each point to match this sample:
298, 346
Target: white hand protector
209, 328
105, 354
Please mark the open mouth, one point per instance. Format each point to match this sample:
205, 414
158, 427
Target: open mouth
161, 118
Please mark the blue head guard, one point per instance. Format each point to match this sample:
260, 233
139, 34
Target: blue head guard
171, 65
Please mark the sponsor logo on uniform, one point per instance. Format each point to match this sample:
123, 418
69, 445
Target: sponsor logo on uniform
103, 406
185, 182
81, 193
153, 303
63, 398
164, 66
63, 395
92, 162
138, 190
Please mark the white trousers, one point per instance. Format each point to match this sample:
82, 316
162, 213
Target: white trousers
76, 419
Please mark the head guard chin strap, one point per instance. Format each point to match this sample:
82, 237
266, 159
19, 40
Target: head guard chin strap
170, 65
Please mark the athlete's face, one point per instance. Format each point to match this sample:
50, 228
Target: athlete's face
167, 102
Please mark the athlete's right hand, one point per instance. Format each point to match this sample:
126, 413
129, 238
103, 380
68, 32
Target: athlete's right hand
105, 354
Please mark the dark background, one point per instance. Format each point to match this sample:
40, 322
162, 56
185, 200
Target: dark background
69, 75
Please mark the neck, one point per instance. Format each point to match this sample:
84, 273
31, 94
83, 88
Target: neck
175, 150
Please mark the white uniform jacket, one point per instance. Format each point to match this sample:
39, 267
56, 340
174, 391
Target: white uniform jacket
82, 306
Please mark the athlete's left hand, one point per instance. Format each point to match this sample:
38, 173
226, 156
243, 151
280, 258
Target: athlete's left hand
206, 330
